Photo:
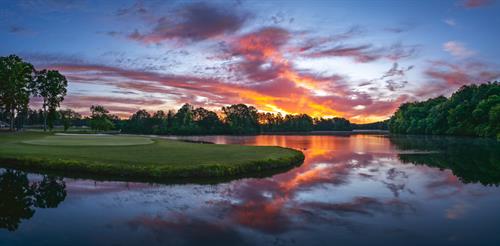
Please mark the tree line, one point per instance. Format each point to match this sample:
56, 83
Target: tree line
473, 110
233, 119
188, 120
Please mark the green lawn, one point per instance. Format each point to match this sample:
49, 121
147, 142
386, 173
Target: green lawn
138, 157
89, 140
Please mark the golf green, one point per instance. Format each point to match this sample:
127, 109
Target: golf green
89, 140
139, 157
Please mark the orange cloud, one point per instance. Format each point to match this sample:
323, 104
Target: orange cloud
265, 78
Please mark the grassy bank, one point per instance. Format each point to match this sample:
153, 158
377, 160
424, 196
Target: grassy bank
138, 157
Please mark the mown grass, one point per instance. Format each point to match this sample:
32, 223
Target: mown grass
159, 160
60, 139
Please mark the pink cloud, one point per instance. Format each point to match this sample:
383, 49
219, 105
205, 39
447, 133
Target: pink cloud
446, 77
457, 49
470, 4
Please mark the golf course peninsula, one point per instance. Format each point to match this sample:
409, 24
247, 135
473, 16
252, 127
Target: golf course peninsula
138, 157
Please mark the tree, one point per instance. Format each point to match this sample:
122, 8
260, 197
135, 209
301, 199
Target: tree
100, 120
270, 122
51, 86
139, 122
333, 124
298, 123
16, 85
207, 121
170, 119
158, 122
68, 116
3, 113
494, 118
183, 120
470, 111
241, 119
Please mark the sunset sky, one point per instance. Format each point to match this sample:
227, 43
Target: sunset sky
354, 59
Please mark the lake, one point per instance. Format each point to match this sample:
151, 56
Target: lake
351, 190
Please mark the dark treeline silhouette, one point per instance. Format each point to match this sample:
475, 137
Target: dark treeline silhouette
34, 118
234, 119
474, 110
188, 120
380, 125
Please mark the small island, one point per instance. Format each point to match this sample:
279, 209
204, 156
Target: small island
138, 157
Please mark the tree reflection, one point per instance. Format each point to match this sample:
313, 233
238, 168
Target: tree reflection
471, 160
50, 192
19, 197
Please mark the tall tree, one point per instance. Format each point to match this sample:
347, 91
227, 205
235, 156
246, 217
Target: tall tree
51, 86
159, 122
68, 116
183, 120
242, 119
139, 122
100, 120
16, 84
207, 121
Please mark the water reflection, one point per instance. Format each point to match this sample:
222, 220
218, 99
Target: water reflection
360, 189
20, 197
472, 160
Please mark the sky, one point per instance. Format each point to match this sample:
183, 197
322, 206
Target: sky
354, 59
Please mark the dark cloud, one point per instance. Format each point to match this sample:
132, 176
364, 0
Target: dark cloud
138, 8
396, 71
361, 53
394, 85
112, 33
194, 22
280, 18
404, 27
400, 51
17, 29
394, 78
182, 230
367, 52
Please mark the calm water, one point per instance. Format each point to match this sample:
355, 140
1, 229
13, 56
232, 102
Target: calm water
359, 189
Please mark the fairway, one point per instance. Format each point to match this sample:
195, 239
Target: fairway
138, 157
89, 140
